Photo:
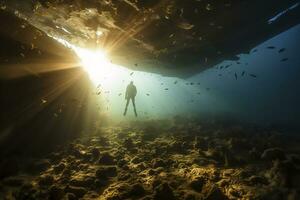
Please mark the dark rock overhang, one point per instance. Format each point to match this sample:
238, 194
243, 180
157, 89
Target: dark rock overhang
171, 37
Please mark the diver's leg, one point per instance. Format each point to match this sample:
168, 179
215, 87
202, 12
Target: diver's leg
133, 103
126, 106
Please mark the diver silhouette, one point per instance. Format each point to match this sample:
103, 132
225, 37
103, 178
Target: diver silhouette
130, 94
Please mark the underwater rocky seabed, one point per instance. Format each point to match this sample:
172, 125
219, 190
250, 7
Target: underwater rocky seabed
162, 160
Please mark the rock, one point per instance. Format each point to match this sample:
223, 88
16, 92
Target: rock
163, 191
77, 191
40, 165
106, 172
59, 168
137, 190
157, 162
95, 153
82, 181
136, 160
212, 192
128, 143
273, 154
255, 180
46, 180
70, 196
106, 159
197, 183
56, 193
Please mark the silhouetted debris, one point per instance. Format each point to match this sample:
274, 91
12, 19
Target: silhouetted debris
281, 50
284, 59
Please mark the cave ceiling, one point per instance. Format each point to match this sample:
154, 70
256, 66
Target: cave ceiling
170, 37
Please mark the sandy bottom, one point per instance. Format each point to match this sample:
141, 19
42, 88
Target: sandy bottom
161, 161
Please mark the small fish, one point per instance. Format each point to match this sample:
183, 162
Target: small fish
191, 83
235, 75
284, 59
99, 86
238, 63
243, 73
207, 88
166, 88
98, 93
162, 84
281, 50
120, 94
43, 101
148, 94
175, 82
131, 73
198, 83
220, 74
198, 93
227, 66
255, 50
253, 75
271, 47
136, 64
221, 67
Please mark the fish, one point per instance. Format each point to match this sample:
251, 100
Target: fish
136, 64
43, 101
271, 47
281, 50
98, 93
253, 75
235, 75
131, 73
175, 82
243, 73
227, 66
148, 94
255, 50
119, 94
238, 63
207, 88
284, 59
166, 88
191, 83
198, 83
